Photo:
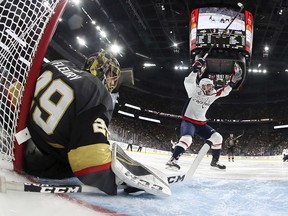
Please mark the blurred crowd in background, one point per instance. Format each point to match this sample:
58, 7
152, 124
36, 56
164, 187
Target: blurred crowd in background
256, 121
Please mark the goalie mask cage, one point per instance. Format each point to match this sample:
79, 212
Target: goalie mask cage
26, 30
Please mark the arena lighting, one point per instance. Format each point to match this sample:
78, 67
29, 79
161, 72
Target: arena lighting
81, 41
280, 126
266, 51
180, 67
87, 15
77, 2
257, 70
103, 34
149, 65
144, 56
126, 113
132, 106
115, 48
149, 119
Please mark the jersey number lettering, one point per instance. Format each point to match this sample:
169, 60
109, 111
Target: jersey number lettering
53, 102
99, 126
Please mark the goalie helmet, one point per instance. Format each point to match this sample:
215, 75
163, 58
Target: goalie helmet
207, 86
106, 67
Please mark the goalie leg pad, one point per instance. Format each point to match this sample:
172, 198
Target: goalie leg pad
137, 175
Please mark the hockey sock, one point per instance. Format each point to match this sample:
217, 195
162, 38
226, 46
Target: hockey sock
216, 154
178, 151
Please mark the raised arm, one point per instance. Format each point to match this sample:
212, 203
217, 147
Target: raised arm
190, 81
234, 79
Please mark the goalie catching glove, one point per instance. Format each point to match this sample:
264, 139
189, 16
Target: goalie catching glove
236, 76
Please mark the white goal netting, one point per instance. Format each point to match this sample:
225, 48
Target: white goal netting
22, 24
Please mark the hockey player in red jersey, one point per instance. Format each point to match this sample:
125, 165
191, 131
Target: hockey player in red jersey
68, 123
194, 122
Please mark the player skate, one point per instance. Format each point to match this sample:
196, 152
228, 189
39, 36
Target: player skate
285, 155
172, 164
216, 164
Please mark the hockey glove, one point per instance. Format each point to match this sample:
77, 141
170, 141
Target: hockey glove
236, 76
199, 66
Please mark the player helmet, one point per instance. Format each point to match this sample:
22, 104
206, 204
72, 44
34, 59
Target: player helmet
106, 67
207, 86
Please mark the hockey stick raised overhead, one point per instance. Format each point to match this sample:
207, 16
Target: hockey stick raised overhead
241, 8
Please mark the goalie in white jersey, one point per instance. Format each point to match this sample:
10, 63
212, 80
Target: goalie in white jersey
194, 121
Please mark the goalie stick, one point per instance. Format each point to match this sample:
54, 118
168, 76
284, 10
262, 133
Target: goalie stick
50, 188
44, 188
129, 174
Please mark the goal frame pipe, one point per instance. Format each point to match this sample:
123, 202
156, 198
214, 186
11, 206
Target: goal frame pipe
28, 93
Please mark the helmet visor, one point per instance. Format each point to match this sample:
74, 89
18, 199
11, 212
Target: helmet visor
106, 67
112, 74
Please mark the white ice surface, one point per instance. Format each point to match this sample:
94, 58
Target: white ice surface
247, 187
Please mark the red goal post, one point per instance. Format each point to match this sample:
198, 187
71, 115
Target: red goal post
26, 30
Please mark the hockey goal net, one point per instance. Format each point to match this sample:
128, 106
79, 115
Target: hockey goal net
26, 30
